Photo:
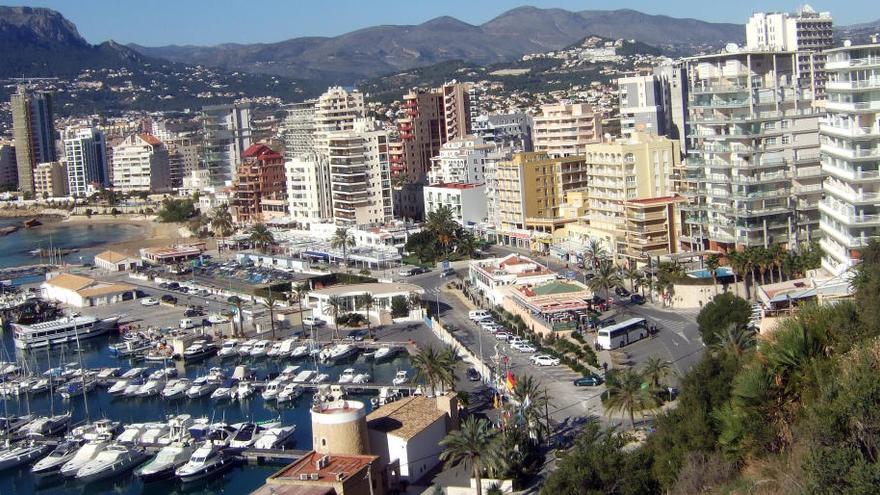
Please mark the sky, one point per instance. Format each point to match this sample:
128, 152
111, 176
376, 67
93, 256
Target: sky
211, 22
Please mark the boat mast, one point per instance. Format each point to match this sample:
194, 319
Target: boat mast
51, 379
82, 372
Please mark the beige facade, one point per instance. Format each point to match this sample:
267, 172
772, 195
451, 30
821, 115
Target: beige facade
565, 129
360, 177
140, 163
50, 180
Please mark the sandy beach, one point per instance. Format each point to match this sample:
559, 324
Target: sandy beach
153, 234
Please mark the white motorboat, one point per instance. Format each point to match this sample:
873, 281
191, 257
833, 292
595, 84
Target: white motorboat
229, 348
225, 392
112, 461
299, 352
119, 387
176, 388
275, 438
385, 353
337, 352
243, 390
153, 432
260, 348
132, 433
102, 429
151, 388
58, 457
304, 376
133, 373
361, 378
178, 429
347, 375
289, 372
105, 374
129, 348
11, 424
48, 426
163, 374
245, 435
320, 378
61, 331
272, 388
199, 349
82, 456
281, 349
400, 378
245, 348
13, 455
202, 386
207, 461
166, 462
40, 386
133, 387
290, 392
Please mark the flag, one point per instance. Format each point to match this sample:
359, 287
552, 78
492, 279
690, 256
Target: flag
527, 402
496, 402
511, 382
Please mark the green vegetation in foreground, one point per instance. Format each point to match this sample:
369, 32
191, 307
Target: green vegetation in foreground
793, 412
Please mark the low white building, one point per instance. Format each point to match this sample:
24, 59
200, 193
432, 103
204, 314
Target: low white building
491, 276
467, 201
78, 291
116, 262
382, 294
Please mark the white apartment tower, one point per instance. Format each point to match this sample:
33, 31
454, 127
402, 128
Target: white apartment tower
226, 134
752, 172
850, 135
462, 160
140, 164
308, 200
360, 175
85, 157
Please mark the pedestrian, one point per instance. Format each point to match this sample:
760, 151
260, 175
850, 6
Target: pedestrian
605, 366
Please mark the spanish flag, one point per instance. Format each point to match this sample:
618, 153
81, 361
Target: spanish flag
511, 381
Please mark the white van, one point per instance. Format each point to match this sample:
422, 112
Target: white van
187, 323
479, 314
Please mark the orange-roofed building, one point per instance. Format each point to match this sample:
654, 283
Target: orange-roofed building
327, 474
491, 276
140, 164
259, 177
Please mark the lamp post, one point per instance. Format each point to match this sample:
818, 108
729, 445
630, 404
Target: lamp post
645, 254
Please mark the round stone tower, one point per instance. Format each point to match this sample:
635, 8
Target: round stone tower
340, 427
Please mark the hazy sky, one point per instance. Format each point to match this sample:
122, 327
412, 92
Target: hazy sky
209, 22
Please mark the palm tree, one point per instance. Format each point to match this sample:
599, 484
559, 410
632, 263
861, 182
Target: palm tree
441, 223
777, 255
434, 368
655, 369
367, 302
333, 308
713, 261
595, 253
342, 240
299, 293
631, 273
237, 302
261, 236
527, 393
736, 340
270, 301
737, 266
640, 283
469, 444
413, 301
606, 278
221, 221
626, 395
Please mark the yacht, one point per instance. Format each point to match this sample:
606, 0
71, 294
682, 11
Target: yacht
160, 354
163, 374
40, 386
202, 386
400, 378
15, 455
59, 455
337, 352
385, 353
178, 429
82, 456
153, 432
289, 372
11, 424
321, 378
106, 374
243, 391
260, 348
245, 436
226, 391
76, 388
132, 433
151, 388
245, 348
281, 349
347, 375
272, 388
133, 387
361, 378
304, 376
102, 429
166, 462
200, 349
207, 461
229, 348
133, 373
128, 348
61, 331
300, 352
176, 388
113, 460
119, 387
48, 426
275, 438
291, 392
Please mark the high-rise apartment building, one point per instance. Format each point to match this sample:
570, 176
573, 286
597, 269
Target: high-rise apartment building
461, 160
641, 105
183, 157
8, 168
850, 135
226, 133
50, 180
456, 110
509, 130
673, 87
299, 129
564, 129
308, 195
140, 164
260, 177
752, 172
805, 31
86, 160
360, 175
33, 129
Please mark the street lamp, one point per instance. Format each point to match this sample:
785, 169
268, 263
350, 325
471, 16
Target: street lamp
645, 254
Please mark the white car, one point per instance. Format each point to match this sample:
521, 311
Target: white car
187, 323
526, 348
149, 301
502, 336
217, 319
313, 322
544, 360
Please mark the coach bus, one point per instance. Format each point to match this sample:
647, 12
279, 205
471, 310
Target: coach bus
623, 333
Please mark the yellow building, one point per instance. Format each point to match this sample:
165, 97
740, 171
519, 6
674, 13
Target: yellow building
635, 168
530, 189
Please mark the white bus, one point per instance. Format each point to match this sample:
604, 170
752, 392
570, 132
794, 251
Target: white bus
623, 333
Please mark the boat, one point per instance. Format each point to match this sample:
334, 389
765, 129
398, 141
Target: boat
178, 429
40, 386
281, 349
128, 348
272, 388
82, 456
75, 388
176, 388
320, 378
165, 463
199, 349
347, 375
361, 378
102, 429
207, 461
133, 387
202, 386
245, 348
304, 376
242, 391
13, 455
112, 461
260, 348
400, 378
218, 434
290, 392
47, 426
61, 331
151, 388
300, 352
385, 353
337, 352
106, 374
159, 354
119, 387
275, 438
153, 432
289, 372
11, 424
163, 374
229, 348
132, 433
225, 391
245, 436
133, 373
62, 453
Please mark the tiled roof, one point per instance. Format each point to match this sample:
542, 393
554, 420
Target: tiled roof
347, 465
405, 418
111, 257
70, 281
150, 139
261, 152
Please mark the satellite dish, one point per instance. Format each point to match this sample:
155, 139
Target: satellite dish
731, 48
847, 43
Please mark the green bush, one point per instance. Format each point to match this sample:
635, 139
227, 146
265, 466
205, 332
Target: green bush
399, 307
720, 313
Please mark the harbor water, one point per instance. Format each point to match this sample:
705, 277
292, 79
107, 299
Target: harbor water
95, 354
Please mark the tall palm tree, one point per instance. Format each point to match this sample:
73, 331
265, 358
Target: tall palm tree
736, 340
343, 240
631, 273
299, 293
533, 402
270, 301
333, 308
713, 261
221, 221
595, 253
655, 369
238, 303
776, 255
434, 368
469, 444
442, 224
626, 395
606, 278
763, 261
367, 302
737, 264
261, 236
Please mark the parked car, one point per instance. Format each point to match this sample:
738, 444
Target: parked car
168, 299
173, 286
473, 375
637, 299
622, 292
588, 381
544, 360
149, 301
356, 336
478, 314
447, 272
313, 322
502, 336
527, 348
